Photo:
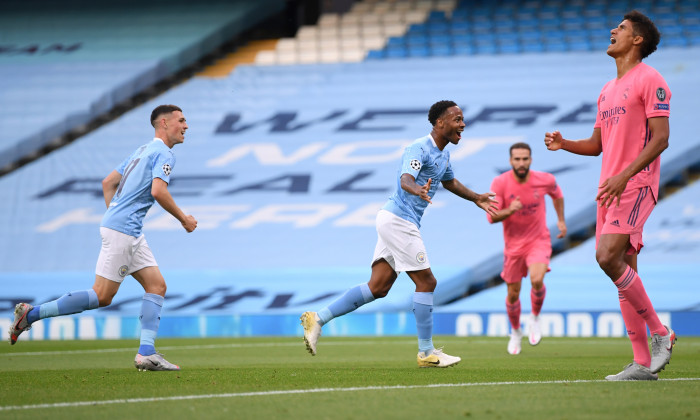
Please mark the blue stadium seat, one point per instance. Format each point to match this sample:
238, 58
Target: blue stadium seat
396, 51
418, 50
460, 28
482, 27
579, 45
436, 16
509, 47
676, 41
441, 50
463, 49
486, 48
439, 28
416, 40
440, 39
418, 28
534, 47
555, 46
396, 41
376, 54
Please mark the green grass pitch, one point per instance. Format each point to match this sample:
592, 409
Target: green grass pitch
351, 377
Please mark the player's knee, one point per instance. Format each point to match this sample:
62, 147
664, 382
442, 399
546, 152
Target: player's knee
104, 300
158, 289
380, 293
537, 283
425, 282
605, 260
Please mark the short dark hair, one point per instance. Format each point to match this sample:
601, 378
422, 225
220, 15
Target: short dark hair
438, 109
520, 145
644, 27
162, 109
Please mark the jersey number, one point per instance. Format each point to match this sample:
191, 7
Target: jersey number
130, 167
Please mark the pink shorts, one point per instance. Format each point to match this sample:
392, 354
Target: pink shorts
515, 266
627, 219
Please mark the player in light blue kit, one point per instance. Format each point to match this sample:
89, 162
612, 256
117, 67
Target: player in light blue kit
399, 245
129, 191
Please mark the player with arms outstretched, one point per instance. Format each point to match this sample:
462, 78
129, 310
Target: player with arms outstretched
425, 163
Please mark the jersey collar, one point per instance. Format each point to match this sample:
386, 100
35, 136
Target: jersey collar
433, 140
158, 139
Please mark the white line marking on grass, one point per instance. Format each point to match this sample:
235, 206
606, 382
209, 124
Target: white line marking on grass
301, 391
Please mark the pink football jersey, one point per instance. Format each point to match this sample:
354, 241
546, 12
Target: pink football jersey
528, 225
624, 106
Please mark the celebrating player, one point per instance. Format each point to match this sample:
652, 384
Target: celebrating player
631, 130
399, 244
129, 191
528, 248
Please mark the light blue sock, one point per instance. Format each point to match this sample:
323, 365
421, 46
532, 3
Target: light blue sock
423, 310
71, 303
352, 299
150, 320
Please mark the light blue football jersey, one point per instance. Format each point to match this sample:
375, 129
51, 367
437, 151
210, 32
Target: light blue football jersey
423, 160
133, 198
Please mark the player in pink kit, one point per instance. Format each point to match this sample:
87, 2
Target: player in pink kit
520, 194
631, 130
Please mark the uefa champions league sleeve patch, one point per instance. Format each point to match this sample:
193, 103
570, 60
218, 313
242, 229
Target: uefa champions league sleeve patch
415, 164
166, 169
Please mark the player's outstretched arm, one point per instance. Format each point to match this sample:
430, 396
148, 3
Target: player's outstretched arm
110, 185
505, 213
408, 184
159, 191
592, 146
486, 201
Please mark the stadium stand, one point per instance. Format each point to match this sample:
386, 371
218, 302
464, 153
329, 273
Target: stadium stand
76, 60
399, 29
285, 166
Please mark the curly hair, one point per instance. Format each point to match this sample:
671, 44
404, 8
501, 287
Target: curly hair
644, 27
162, 109
438, 109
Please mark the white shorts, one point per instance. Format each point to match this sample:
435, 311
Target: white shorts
122, 255
399, 243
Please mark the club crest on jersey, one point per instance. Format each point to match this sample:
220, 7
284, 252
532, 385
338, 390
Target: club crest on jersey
661, 94
415, 164
420, 257
166, 169
122, 271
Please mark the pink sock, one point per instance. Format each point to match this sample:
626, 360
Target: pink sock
631, 287
513, 310
637, 332
537, 299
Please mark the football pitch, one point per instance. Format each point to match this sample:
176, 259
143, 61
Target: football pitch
351, 377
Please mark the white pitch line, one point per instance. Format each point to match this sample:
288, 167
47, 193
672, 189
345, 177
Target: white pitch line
301, 391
